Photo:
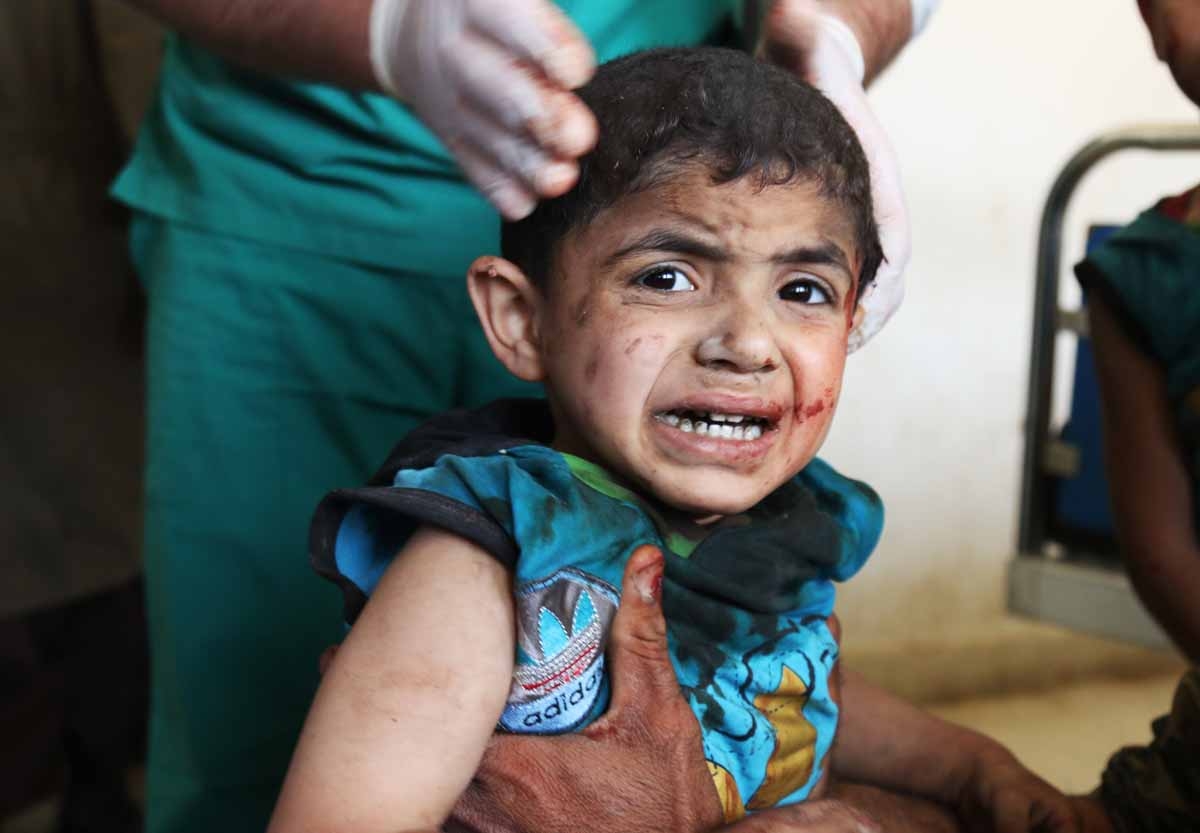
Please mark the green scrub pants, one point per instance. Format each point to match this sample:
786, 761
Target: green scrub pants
274, 375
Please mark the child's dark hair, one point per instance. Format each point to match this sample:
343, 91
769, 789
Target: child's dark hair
661, 109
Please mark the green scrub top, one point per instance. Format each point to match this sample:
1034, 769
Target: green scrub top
352, 176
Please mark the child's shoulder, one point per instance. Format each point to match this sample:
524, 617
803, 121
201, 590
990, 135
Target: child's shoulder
1182, 208
1147, 273
485, 475
470, 432
498, 459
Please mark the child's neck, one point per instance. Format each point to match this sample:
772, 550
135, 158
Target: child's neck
678, 520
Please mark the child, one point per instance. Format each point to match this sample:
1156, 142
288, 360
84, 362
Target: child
1143, 297
687, 307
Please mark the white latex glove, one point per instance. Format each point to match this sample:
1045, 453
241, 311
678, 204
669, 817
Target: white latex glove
820, 48
492, 78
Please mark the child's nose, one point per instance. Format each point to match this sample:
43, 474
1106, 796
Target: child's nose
741, 343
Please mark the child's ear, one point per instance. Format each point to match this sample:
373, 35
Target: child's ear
507, 305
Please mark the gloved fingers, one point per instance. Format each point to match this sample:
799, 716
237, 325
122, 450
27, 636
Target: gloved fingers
799, 36
891, 214
834, 74
879, 302
539, 32
567, 128
514, 96
507, 193
492, 80
522, 159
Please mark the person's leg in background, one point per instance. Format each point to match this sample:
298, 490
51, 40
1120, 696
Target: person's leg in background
98, 638
274, 375
72, 645
31, 757
73, 690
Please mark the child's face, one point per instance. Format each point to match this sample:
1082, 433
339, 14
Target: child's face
694, 337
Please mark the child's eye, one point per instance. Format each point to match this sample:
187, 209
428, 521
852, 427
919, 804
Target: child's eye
805, 291
665, 279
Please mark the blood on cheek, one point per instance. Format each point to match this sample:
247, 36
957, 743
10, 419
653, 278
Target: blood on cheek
808, 410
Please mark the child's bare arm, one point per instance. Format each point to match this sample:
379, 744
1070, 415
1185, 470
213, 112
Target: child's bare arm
406, 707
1148, 480
887, 742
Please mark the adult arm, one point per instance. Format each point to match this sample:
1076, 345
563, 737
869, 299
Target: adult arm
325, 40
491, 79
889, 743
641, 768
406, 707
1149, 485
838, 45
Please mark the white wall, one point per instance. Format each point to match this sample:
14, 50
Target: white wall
984, 110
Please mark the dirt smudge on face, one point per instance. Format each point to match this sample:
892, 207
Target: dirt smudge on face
591, 369
581, 314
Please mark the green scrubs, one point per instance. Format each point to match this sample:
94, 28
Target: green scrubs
303, 253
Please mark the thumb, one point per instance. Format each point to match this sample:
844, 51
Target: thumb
640, 666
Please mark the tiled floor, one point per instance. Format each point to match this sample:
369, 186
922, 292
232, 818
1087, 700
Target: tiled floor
1067, 734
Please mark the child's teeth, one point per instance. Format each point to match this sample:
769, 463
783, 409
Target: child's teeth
734, 418
720, 426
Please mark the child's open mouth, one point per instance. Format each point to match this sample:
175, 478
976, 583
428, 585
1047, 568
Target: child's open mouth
738, 427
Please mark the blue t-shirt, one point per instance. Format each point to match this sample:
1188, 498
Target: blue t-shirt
746, 602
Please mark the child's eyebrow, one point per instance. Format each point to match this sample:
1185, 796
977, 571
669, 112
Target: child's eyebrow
669, 240
827, 253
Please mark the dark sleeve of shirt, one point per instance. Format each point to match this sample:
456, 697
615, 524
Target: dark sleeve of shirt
1156, 788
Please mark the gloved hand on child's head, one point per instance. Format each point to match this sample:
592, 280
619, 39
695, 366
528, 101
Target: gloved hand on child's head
799, 36
493, 81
